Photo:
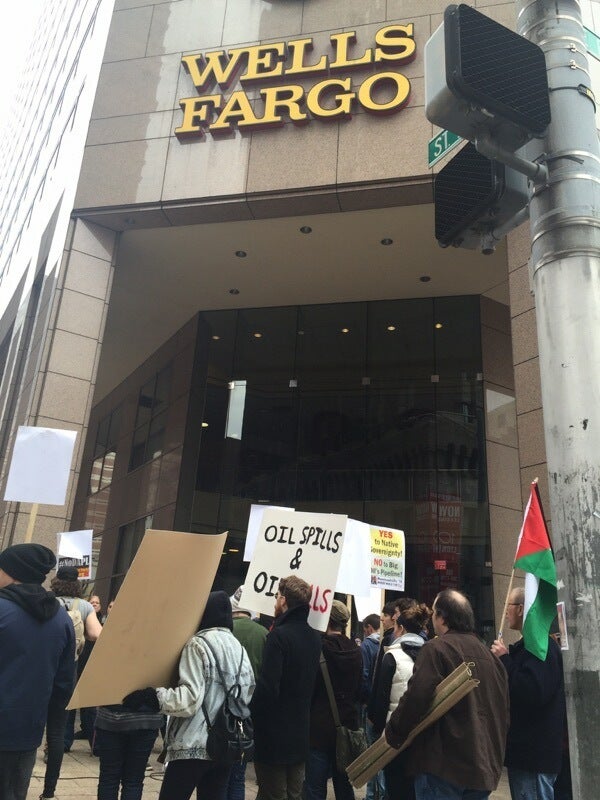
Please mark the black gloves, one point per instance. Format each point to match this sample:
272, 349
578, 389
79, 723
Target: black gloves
145, 699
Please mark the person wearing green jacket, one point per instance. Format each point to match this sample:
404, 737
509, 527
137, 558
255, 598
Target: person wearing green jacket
252, 637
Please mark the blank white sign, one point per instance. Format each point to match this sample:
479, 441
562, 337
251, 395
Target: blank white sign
39, 470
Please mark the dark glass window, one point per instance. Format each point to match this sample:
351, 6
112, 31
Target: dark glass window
370, 409
151, 419
105, 451
130, 538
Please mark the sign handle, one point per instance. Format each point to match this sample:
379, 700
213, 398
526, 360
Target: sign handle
31, 523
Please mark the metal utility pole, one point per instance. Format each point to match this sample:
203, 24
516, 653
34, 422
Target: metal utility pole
565, 268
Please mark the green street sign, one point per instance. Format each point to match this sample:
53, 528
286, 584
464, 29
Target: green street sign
592, 43
440, 145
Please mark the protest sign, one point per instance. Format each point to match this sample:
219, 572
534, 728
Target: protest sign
75, 550
308, 545
370, 603
254, 520
39, 469
387, 558
141, 642
354, 576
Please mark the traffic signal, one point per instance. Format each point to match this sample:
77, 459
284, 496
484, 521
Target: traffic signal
473, 196
483, 78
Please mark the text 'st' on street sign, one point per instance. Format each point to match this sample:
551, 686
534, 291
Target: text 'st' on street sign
440, 145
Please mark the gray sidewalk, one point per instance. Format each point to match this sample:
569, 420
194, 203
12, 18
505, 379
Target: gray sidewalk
79, 778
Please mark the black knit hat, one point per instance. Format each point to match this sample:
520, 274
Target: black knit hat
27, 563
67, 573
217, 613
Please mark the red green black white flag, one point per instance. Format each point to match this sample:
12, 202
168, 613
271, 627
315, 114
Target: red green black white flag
534, 556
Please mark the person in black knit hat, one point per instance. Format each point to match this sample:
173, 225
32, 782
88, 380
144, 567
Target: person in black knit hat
37, 643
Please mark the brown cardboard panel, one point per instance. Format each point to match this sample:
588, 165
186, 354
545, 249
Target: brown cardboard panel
158, 608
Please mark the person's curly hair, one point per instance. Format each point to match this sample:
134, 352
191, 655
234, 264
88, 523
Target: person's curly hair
66, 588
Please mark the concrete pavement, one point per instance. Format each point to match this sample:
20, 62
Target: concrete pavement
79, 778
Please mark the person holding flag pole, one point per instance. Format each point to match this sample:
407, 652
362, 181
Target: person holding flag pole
533, 665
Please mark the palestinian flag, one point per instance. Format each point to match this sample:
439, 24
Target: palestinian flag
534, 556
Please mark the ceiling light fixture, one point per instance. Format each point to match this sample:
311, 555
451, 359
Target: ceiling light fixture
425, 278
234, 291
306, 229
345, 330
438, 325
215, 338
387, 242
257, 335
391, 327
241, 253
205, 424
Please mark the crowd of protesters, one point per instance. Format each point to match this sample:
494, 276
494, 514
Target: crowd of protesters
290, 688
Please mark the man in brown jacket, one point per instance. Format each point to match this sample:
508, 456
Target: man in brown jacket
460, 756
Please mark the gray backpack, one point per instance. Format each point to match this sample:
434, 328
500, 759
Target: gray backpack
78, 625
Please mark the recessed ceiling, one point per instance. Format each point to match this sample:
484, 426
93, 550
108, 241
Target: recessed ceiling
164, 276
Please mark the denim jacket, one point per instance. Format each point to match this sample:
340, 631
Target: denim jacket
199, 681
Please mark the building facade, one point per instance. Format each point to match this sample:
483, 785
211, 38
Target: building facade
250, 306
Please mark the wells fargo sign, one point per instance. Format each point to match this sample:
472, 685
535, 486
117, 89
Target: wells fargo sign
383, 92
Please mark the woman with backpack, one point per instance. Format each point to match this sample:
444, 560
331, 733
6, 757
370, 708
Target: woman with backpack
396, 670
67, 589
213, 663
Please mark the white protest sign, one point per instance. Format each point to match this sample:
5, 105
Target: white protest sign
75, 550
371, 603
354, 576
387, 557
256, 513
298, 543
39, 470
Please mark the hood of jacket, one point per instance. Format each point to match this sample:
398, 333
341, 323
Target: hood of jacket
217, 613
33, 598
412, 639
342, 656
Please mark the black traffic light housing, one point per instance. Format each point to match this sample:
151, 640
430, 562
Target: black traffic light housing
473, 196
481, 78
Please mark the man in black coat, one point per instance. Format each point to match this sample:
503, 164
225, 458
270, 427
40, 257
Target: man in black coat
37, 661
344, 667
281, 702
537, 711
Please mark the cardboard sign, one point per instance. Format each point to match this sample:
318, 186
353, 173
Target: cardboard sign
158, 609
75, 550
387, 558
298, 543
39, 469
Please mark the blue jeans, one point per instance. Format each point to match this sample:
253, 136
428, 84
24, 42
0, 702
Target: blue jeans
526, 785
123, 759
15, 773
320, 766
237, 782
376, 786
430, 787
